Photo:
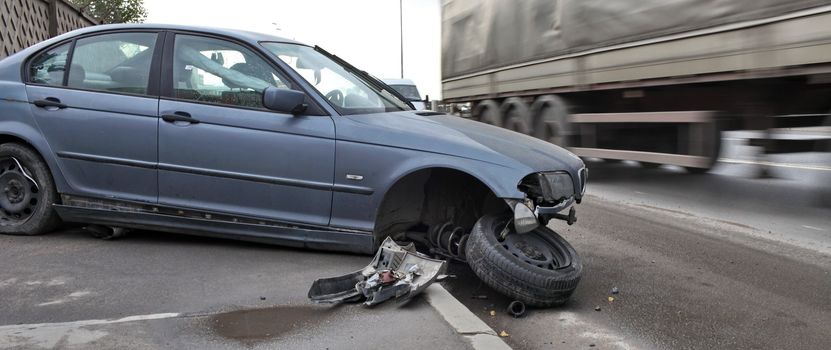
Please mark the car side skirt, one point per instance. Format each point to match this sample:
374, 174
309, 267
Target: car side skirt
193, 222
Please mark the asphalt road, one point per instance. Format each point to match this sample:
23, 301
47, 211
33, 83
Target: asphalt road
183, 292
700, 262
711, 261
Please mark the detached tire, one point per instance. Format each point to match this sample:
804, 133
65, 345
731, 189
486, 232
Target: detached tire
538, 268
27, 192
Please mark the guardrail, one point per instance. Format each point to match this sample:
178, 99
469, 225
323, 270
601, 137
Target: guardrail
27, 22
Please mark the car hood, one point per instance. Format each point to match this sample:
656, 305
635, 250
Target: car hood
459, 137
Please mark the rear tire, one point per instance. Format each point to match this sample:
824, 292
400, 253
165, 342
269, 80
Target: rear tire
544, 273
26, 206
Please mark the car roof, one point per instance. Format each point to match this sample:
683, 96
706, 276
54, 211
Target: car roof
250, 36
9, 66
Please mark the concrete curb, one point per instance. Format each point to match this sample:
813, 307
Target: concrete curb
474, 330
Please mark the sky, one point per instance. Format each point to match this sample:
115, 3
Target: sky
363, 32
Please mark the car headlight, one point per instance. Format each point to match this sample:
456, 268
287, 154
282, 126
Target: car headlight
549, 187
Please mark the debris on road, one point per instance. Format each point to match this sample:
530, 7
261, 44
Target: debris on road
397, 272
516, 309
481, 297
615, 290
611, 299
493, 313
504, 334
597, 308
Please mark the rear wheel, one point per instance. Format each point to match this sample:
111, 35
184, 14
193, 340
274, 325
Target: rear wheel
27, 192
538, 268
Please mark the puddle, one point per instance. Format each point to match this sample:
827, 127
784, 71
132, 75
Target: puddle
254, 325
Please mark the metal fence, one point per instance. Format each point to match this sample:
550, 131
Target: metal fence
26, 22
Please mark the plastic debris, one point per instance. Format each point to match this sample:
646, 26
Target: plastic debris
397, 272
615, 290
597, 308
611, 299
504, 334
493, 312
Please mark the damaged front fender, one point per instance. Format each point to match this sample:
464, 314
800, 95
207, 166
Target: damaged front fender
397, 272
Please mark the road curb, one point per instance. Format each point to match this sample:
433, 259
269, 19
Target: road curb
474, 330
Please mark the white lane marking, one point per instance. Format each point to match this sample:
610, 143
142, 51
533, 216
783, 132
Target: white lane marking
71, 297
813, 228
475, 331
84, 323
50, 335
777, 165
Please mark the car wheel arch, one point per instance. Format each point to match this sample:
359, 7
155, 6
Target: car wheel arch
9, 136
413, 198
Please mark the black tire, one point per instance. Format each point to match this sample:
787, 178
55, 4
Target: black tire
38, 216
488, 112
517, 277
551, 120
517, 116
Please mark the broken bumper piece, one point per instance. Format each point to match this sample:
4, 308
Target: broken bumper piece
396, 272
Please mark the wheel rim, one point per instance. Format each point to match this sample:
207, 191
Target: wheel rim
19, 192
535, 249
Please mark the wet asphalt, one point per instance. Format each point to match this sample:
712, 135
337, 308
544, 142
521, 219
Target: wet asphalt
717, 261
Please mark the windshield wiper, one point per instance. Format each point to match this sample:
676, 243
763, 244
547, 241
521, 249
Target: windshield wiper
372, 80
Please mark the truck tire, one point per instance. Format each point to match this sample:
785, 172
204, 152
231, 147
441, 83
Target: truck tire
538, 268
517, 115
27, 192
551, 120
713, 146
488, 112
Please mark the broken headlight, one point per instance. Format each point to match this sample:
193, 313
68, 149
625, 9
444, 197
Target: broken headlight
548, 189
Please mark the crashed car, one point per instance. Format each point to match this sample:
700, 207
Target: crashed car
255, 137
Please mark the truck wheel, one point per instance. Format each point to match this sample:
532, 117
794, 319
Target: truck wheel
488, 112
27, 192
538, 268
551, 116
714, 148
517, 115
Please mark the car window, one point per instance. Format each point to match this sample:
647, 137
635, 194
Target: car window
217, 71
113, 62
48, 68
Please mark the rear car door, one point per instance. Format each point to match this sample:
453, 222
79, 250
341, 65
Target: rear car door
96, 101
221, 151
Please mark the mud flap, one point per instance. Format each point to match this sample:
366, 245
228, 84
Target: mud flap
396, 272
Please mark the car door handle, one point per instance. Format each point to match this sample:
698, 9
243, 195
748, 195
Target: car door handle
180, 117
49, 102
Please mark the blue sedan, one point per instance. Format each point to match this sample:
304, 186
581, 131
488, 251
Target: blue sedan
250, 136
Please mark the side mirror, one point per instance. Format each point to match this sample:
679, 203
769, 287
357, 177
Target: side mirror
284, 100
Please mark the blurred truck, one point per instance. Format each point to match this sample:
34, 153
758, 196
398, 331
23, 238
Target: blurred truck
653, 81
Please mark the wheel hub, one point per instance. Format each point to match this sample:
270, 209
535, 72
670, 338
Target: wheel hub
535, 250
15, 192
18, 192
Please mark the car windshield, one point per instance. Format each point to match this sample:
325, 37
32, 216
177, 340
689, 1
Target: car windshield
409, 91
346, 90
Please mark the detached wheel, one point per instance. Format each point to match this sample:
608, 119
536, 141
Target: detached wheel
538, 268
27, 192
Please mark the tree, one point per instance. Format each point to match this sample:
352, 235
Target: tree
113, 11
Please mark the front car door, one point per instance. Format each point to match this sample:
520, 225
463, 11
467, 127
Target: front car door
96, 101
221, 151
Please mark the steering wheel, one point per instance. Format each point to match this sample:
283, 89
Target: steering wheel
336, 97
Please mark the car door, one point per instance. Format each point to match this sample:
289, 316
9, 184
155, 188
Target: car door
95, 100
220, 150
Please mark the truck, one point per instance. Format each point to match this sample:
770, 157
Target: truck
651, 81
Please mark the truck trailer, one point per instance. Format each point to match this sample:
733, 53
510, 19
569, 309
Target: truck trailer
652, 81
